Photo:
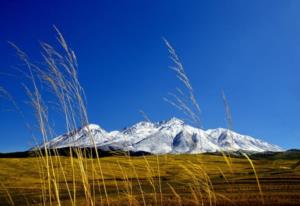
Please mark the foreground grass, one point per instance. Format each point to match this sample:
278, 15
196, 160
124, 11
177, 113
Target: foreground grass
152, 180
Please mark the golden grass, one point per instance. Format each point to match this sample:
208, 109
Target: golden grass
181, 180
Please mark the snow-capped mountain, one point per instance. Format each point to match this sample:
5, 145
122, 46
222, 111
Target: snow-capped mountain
172, 136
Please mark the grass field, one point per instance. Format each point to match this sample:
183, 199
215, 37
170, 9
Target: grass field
153, 180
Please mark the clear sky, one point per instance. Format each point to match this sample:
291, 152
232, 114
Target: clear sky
250, 49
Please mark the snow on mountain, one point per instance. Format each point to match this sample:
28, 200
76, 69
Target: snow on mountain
84, 136
172, 136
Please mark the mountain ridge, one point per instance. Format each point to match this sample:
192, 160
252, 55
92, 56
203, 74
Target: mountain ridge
171, 136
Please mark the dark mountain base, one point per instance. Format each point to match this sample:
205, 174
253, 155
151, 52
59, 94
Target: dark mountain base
86, 152
293, 154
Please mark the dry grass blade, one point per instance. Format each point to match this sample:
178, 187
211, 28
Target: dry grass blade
175, 194
4, 93
10, 199
227, 111
145, 116
187, 103
256, 177
228, 115
159, 180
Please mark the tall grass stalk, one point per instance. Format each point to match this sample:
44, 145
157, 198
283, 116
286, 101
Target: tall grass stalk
228, 115
256, 177
187, 103
150, 175
60, 75
159, 180
145, 116
179, 201
10, 199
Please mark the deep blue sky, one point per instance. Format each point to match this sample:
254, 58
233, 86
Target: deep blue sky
251, 49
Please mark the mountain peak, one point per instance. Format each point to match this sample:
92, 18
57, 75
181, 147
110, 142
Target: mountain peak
173, 121
143, 125
91, 127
